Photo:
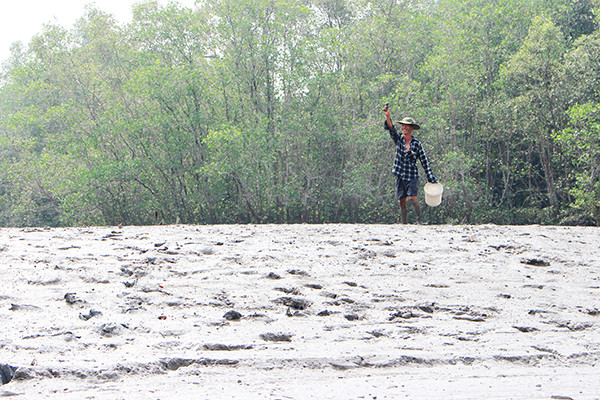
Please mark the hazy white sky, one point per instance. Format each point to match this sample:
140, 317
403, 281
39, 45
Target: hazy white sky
21, 19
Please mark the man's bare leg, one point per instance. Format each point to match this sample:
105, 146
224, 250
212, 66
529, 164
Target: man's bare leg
417, 206
403, 211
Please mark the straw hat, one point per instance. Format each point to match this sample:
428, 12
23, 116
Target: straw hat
410, 121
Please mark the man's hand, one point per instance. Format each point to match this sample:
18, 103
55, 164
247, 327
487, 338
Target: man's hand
386, 112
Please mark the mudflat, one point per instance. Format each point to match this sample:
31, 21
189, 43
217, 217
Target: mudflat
300, 311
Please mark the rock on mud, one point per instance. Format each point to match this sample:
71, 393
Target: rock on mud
6, 373
276, 337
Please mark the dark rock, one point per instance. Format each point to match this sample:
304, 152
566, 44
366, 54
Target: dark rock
324, 313
232, 316
343, 300
329, 295
109, 330
276, 337
174, 364
289, 313
467, 339
406, 314
575, 327
7, 372
537, 262
297, 272
273, 275
89, 315
292, 291
437, 285
526, 329
71, 298
427, 309
314, 286
111, 235
296, 304
351, 317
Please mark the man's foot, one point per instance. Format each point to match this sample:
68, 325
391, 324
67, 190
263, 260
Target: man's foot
404, 215
417, 207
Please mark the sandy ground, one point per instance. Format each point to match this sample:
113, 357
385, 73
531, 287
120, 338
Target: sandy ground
301, 312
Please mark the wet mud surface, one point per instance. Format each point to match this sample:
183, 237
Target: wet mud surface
251, 309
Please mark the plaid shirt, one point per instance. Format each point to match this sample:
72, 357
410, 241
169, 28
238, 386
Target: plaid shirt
405, 163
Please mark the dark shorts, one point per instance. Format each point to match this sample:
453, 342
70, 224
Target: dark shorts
406, 188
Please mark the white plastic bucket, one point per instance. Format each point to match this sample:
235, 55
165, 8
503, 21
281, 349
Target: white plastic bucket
433, 194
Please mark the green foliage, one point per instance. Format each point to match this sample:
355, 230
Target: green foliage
536, 99
270, 111
581, 142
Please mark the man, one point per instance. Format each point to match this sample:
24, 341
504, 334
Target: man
408, 150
